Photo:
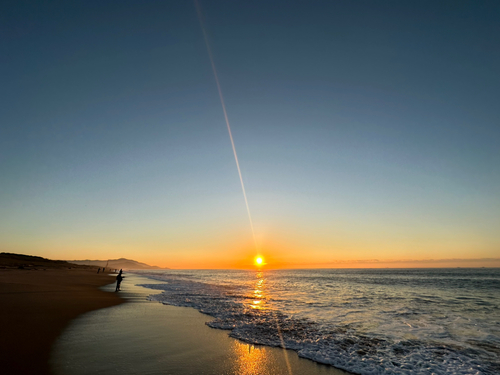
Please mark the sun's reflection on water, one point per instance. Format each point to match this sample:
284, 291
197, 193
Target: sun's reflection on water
252, 359
259, 296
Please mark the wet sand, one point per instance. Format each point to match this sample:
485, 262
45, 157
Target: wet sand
37, 305
143, 337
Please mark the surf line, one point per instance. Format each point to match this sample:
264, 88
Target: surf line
221, 97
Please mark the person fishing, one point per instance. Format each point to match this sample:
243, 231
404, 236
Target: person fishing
119, 279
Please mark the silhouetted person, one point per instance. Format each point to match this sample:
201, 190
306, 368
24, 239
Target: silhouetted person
99, 270
119, 279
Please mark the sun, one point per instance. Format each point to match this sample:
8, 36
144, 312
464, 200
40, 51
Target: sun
259, 261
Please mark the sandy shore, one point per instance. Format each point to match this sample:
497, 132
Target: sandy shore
66, 320
143, 337
36, 306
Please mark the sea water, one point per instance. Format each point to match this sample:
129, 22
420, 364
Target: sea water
390, 321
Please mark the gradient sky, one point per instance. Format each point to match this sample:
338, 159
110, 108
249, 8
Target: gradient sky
368, 133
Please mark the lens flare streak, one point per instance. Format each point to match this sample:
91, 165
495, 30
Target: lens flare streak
221, 97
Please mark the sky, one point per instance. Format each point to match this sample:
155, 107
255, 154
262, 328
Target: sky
367, 132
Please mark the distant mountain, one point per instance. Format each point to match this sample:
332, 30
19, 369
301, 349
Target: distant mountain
121, 263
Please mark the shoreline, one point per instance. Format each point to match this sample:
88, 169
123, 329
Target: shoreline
145, 336
322, 366
38, 305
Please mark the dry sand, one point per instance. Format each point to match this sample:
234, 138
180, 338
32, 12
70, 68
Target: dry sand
36, 305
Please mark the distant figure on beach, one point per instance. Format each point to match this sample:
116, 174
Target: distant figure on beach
99, 270
119, 279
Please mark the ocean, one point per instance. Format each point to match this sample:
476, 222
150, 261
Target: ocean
366, 321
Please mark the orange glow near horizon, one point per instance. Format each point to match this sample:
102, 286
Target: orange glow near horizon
235, 250
282, 245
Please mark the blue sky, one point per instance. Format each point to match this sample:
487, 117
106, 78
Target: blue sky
364, 130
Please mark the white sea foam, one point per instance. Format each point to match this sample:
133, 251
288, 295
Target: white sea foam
394, 338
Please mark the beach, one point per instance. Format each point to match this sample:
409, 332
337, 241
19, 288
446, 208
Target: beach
146, 337
366, 321
69, 321
37, 305
59, 319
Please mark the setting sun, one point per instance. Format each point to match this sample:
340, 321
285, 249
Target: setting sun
259, 261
